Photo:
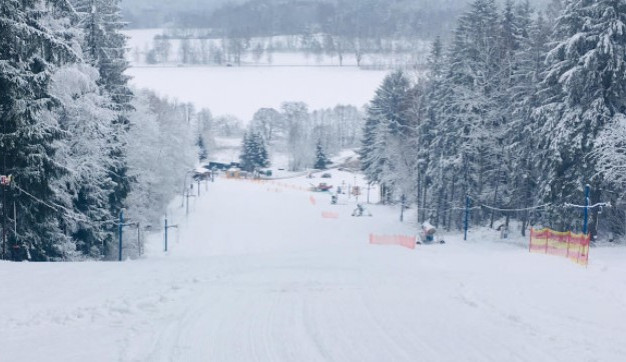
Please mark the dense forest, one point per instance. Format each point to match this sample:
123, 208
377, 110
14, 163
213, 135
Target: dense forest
351, 18
77, 145
517, 114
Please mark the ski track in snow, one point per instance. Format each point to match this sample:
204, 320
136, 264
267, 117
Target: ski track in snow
258, 275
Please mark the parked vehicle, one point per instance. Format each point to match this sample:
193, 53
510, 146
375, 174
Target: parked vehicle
321, 187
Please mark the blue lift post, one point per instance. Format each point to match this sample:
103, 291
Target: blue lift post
167, 226
586, 212
166, 234
467, 210
121, 228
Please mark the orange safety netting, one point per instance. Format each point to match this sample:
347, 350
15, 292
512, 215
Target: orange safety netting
572, 246
402, 240
330, 215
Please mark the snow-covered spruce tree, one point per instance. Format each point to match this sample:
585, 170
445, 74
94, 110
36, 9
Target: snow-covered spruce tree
386, 125
206, 130
584, 93
246, 161
522, 133
203, 153
472, 123
104, 48
204, 138
553, 11
262, 156
610, 152
34, 39
433, 175
513, 35
428, 138
321, 160
253, 152
85, 118
412, 157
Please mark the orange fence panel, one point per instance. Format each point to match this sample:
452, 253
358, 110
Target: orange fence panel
402, 240
566, 244
330, 215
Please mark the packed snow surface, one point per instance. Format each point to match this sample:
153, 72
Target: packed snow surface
254, 273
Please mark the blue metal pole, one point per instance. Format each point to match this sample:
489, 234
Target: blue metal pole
166, 233
121, 227
467, 209
586, 217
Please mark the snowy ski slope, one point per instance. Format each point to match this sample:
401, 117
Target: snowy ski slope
256, 274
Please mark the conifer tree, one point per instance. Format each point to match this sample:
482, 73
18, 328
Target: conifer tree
253, 153
321, 160
522, 134
472, 114
584, 92
85, 119
262, 157
104, 48
34, 39
434, 176
386, 123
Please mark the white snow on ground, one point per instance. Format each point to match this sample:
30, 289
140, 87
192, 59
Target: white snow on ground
221, 89
256, 274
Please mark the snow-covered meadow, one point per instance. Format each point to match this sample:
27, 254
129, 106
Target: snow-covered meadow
255, 273
241, 91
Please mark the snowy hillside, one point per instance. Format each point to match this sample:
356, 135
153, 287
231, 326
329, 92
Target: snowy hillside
255, 273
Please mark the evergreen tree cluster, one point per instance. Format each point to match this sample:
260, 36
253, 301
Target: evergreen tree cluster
254, 154
66, 118
519, 112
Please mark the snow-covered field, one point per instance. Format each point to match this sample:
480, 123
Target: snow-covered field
256, 274
140, 41
241, 91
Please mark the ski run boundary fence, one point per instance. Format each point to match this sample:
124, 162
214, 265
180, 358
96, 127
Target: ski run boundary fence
574, 247
401, 240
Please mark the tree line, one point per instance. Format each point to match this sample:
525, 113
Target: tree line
518, 113
196, 47
78, 143
300, 134
349, 18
